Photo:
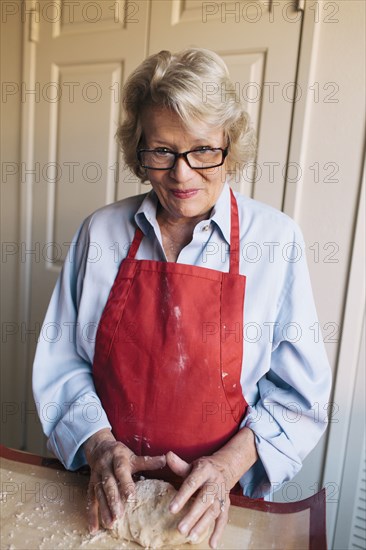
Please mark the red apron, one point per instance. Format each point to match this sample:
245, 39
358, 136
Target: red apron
168, 354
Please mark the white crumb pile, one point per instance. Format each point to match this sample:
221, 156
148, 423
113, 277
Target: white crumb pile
46, 514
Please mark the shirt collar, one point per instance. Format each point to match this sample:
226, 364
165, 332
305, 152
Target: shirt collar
145, 216
221, 213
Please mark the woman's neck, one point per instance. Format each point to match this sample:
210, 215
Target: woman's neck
176, 233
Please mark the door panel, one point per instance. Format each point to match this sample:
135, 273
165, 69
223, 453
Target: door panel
88, 179
91, 17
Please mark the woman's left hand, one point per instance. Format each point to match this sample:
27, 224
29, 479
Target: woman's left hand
211, 478
207, 476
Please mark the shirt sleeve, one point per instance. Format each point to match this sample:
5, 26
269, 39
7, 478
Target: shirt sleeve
68, 406
290, 414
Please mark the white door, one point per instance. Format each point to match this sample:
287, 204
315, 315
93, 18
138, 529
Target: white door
82, 56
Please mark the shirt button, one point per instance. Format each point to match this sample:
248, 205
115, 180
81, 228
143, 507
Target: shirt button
205, 227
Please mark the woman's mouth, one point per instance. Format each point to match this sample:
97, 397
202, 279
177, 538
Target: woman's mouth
184, 194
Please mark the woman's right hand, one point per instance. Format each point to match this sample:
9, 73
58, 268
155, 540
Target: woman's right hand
111, 467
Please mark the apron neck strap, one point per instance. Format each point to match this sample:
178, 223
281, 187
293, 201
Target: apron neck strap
234, 235
234, 238
135, 244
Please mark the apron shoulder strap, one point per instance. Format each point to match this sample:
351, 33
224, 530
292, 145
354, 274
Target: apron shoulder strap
135, 244
234, 236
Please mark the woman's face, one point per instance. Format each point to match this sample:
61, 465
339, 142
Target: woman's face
184, 193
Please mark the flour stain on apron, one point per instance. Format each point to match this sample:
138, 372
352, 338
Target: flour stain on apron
182, 356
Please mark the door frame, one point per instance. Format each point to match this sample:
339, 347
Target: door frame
345, 375
23, 368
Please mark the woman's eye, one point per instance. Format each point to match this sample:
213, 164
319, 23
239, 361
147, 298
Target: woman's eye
161, 151
203, 149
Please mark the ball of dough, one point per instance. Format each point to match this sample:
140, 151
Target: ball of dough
147, 519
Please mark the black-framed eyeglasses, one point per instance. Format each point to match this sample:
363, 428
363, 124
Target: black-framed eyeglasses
198, 159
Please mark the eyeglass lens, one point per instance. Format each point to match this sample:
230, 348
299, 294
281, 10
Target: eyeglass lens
202, 158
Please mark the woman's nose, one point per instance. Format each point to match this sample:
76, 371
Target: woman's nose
181, 170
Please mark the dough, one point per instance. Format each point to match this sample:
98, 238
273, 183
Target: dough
147, 519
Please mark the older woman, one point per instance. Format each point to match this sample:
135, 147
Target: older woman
203, 363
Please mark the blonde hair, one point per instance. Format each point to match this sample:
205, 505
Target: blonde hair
194, 83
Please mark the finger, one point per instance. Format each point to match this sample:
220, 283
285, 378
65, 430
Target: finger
141, 463
203, 503
105, 513
123, 473
92, 509
219, 527
201, 527
112, 496
189, 486
178, 465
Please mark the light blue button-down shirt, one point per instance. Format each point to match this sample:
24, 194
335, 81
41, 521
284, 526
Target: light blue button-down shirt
285, 374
